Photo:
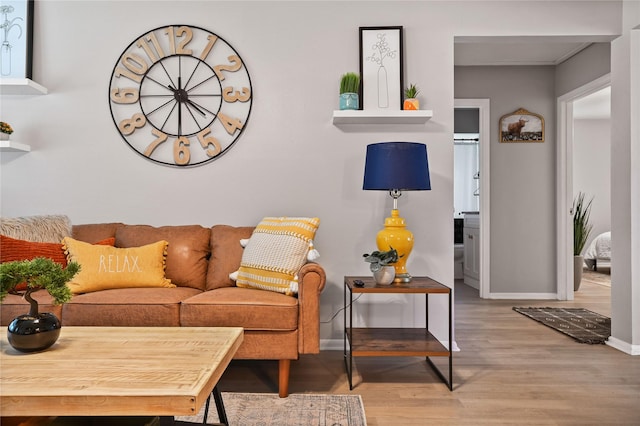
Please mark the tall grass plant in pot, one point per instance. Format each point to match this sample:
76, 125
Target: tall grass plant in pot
581, 231
349, 85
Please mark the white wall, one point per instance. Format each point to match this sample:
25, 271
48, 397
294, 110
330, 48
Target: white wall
625, 182
592, 170
290, 160
583, 68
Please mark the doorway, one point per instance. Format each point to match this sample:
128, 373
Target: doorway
483, 187
565, 184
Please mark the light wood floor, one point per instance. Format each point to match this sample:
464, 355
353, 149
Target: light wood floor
510, 371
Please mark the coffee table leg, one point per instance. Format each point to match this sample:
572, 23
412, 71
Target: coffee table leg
222, 414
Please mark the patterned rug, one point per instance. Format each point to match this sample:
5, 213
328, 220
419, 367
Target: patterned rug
583, 325
247, 409
597, 277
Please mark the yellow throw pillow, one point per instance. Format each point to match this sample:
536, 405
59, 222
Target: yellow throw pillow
275, 252
105, 267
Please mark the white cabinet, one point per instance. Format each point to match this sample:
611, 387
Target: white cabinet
471, 263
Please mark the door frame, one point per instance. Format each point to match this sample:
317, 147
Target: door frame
564, 184
484, 110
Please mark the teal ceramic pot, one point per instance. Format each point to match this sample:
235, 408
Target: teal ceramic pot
349, 101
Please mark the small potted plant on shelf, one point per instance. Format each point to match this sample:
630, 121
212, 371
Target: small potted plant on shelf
581, 230
382, 265
5, 131
35, 331
410, 100
349, 85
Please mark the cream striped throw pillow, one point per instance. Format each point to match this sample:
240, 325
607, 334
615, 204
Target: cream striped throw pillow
277, 249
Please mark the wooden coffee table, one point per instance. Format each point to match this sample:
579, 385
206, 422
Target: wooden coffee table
117, 371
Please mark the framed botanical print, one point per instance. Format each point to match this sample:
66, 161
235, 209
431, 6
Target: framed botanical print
381, 68
521, 126
16, 21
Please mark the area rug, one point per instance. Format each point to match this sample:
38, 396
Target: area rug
583, 325
247, 409
596, 277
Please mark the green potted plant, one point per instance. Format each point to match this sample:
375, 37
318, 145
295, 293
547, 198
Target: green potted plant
35, 331
382, 265
581, 230
349, 85
410, 97
5, 131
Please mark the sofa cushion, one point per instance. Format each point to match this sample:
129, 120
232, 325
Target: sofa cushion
277, 249
43, 228
240, 307
187, 254
14, 305
259, 344
105, 267
95, 231
226, 253
127, 307
12, 249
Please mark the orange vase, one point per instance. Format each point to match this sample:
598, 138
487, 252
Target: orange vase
411, 104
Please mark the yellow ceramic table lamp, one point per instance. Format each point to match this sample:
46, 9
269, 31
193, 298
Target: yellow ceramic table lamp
396, 167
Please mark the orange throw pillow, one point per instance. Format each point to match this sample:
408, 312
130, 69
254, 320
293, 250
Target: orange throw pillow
12, 249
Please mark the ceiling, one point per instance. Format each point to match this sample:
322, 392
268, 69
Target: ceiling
526, 51
518, 51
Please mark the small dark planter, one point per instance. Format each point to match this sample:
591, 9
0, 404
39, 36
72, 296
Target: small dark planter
34, 331
28, 333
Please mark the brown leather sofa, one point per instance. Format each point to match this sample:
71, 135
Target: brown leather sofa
199, 260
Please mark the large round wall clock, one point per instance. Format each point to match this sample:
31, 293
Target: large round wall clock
180, 95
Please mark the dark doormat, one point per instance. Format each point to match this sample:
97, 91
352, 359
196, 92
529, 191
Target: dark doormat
583, 325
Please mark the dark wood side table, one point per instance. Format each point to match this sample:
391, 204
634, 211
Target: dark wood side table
395, 341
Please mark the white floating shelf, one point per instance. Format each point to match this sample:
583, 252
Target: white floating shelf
11, 146
21, 86
381, 117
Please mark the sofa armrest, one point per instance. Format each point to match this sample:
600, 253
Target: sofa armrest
311, 281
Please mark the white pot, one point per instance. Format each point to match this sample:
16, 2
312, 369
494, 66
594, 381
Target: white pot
4, 136
385, 276
578, 261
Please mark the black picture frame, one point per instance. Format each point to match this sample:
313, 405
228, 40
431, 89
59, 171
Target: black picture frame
16, 51
381, 68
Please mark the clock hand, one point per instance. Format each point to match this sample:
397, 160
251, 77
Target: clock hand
179, 106
196, 108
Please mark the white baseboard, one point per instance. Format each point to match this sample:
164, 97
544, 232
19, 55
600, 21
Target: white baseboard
338, 345
331, 344
623, 346
524, 296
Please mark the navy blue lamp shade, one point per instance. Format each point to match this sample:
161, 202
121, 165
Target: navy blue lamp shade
401, 166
